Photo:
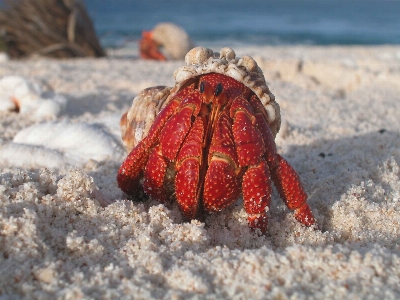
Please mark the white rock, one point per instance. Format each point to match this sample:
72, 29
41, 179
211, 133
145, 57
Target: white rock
24, 155
6, 103
57, 144
20, 94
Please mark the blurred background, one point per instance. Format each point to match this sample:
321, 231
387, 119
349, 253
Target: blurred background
215, 23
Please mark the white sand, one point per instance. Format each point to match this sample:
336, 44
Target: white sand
341, 132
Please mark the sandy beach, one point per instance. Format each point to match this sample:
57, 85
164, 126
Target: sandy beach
68, 232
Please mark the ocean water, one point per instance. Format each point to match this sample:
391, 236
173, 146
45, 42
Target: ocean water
119, 23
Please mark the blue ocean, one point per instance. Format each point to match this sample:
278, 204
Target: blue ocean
119, 23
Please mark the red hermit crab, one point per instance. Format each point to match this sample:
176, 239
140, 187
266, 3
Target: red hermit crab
209, 139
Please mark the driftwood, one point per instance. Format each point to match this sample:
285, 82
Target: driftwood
56, 28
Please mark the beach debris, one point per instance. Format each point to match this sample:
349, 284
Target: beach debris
55, 28
212, 140
60, 144
166, 41
26, 97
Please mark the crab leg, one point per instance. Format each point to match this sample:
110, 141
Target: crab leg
154, 174
250, 150
221, 186
171, 138
291, 190
262, 125
188, 166
257, 195
284, 176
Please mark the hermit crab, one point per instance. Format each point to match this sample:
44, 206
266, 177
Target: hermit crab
210, 139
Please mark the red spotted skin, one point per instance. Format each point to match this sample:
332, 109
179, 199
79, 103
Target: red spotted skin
212, 143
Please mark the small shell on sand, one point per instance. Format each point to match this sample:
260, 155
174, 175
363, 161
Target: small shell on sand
58, 144
26, 97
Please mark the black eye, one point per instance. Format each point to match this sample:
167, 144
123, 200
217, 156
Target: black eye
218, 89
202, 87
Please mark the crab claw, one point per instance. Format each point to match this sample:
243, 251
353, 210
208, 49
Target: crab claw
149, 49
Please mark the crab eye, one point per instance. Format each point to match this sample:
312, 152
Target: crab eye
218, 89
202, 87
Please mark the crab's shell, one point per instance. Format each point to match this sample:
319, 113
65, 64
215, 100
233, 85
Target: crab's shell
136, 122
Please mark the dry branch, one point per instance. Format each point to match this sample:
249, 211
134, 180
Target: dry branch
56, 28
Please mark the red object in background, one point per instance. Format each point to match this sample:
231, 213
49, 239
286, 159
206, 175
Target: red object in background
149, 49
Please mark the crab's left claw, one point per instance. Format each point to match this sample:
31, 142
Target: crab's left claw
149, 49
